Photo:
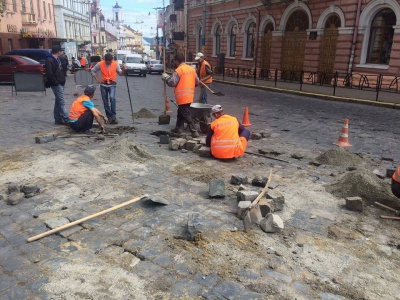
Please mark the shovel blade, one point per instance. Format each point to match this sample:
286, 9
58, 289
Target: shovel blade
218, 94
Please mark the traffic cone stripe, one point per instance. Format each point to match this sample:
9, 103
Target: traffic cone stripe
246, 121
344, 136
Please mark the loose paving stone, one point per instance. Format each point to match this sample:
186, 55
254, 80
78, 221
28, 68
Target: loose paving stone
239, 179
273, 185
259, 181
272, 224
206, 280
250, 296
266, 206
149, 252
57, 222
185, 288
15, 198
277, 198
176, 144
197, 148
216, 188
13, 187
164, 139
30, 189
243, 207
354, 204
246, 195
190, 145
45, 138
256, 136
229, 290
204, 151
379, 173
278, 276
195, 226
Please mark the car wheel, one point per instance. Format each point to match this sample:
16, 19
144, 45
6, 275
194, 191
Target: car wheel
144, 75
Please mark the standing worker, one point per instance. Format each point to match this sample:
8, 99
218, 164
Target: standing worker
109, 69
184, 79
396, 183
205, 74
56, 80
64, 62
83, 112
226, 135
83, 61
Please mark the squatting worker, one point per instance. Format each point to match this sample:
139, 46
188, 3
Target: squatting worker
184, 79
226, 135
396, 183
109, 69
83, 112
56, 80
205, 73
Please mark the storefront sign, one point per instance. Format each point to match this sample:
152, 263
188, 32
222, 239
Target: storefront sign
12, 28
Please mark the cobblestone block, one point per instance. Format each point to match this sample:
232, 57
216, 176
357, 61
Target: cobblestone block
277, 276
45, 138
164, 139
176, 144
239, 179
246, 195
216, 188
146, 269
259, 181
191, 144
15, 198
206, 280
13, 188
354, 203
30, 189
277, 198
197, 148
272, 224
6, 282
165, 260
229, 290
13, 263
204, 151
185, 288
250, 296
149, 252
195, 225
243, 207
266, 206
330, 296
256, 136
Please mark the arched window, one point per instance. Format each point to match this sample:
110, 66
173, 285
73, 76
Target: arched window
232, 40
381, 37
250, 40
198, 40
298, 21
333, 21
218, 32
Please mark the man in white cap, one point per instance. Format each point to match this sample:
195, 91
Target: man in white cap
226, 136
205, 73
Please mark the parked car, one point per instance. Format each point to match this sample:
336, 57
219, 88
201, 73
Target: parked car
135, 65
35, 54
155, 66
16, 63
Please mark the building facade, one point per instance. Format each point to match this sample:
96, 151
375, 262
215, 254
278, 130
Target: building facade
323, 36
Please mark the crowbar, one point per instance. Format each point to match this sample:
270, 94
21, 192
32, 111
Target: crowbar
397, 212
390, 217
215, 93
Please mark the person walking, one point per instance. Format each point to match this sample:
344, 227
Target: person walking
226, 136
205, 73
83, 112
109, 69
184, 79
64, 62
56, 80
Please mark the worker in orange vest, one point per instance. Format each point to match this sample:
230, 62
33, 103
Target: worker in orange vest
396, 183
109, 69
205, 74
226, 136
184, 79
83, 112
83, 61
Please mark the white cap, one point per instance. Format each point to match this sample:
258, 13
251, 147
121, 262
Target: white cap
216, 108
198, 55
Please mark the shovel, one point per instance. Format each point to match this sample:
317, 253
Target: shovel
215, 93
253, 215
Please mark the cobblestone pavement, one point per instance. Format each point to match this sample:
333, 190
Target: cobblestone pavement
139, 252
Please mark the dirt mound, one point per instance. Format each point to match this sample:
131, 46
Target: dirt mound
144, 113
126, 150
197, 171
339, 157
364, 184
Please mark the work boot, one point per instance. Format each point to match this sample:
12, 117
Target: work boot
193, 130
177, 130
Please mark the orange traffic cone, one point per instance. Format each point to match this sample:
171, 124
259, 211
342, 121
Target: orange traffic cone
167, 109
343, 140
246, 121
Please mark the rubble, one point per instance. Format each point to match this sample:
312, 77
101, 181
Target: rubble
259, 181
190, 145
272, 224
243, 207
266, 206
239, 179
277, 198
195, 226
354, 203
45, 138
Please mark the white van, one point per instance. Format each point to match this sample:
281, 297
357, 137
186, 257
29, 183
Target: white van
121, 55
134, 64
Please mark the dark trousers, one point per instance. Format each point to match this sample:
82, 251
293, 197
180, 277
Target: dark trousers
396, 188
245, 133
85, 122
184, 115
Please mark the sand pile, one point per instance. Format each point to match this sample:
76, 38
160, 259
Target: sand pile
364, 184
144, 113
339, 157
126, 150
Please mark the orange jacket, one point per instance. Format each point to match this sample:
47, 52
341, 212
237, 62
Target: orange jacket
82, 61
396, 175
225, 142
77, 108
110, 73
203, 73
184, 91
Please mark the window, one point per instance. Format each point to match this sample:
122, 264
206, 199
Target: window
44, 10
298, 21
250, 40
38, 8
381, 37
14, 5
232, 40
31, 6
333, 22
218, 32
199, 40
49, 11
10, 44
23, 7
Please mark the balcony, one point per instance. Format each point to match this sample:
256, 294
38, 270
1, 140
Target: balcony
28, 19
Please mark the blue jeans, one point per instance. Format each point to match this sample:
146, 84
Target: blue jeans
60, 113
108, 96
203, 94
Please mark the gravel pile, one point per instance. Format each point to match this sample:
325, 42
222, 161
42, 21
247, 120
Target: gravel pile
144, 113
339, 157
126, 150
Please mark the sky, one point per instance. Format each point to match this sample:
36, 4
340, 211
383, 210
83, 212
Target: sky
135, 13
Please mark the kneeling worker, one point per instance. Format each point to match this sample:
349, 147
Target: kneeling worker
396, 183
83, 112
226, 136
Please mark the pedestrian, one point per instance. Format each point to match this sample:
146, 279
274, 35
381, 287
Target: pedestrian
55, 78
109, 69
83, 61
64, 62
83, 112
205, 74
226, 135
396, 183
184, 79
75, 64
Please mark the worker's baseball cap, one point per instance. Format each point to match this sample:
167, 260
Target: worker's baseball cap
89, 90
198, 55
216, 108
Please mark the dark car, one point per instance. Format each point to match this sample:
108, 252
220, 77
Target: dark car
36, 54
15, 63
155, 66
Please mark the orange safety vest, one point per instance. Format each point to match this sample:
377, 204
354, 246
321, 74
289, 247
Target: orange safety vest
184, 91
77, 108
83, 61
110, 73
203, 73
225, 142
396, 175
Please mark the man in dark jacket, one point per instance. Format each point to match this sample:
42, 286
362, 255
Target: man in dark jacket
64, 62
56, 80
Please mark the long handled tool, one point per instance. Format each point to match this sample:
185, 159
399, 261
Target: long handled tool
396, 212
66, 226
253, 215
266, 156
215, 93
129, 95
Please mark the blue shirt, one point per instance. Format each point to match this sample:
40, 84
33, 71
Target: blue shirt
88, 104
